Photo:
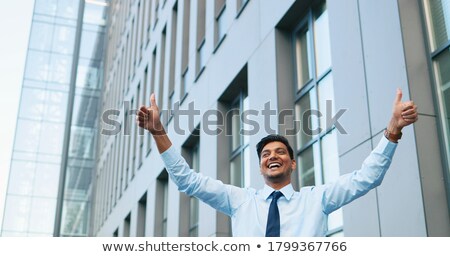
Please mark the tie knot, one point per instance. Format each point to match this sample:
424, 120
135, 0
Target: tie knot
276, 195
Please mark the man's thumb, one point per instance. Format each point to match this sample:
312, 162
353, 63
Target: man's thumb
152, 100
398, 97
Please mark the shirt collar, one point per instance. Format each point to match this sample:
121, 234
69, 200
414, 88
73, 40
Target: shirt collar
287, 191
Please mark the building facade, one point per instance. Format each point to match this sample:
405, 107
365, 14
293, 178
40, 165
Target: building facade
228, 72
53, 157
272, 61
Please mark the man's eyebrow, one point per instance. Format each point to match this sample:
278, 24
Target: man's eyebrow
276, 149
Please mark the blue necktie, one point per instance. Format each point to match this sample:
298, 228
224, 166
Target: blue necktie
273, 220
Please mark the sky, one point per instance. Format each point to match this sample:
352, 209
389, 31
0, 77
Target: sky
15, 23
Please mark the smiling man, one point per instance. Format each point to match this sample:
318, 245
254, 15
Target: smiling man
277, 209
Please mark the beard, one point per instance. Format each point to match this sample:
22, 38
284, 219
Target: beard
278, 177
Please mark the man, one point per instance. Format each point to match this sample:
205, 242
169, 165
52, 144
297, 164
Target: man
278, 210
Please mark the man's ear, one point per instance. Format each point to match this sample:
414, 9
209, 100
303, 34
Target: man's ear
293, 165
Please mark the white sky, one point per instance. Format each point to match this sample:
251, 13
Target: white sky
15, 23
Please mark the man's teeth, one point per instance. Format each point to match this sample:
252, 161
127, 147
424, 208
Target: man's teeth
274, 165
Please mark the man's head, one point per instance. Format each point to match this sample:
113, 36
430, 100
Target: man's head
276, 160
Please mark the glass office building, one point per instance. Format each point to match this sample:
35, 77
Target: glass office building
53, 157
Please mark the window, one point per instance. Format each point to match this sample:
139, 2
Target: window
126, 226
128, 64
149, 19
132, 55
172, 57
316, 141
234, 150
239, 155
162, 191
220, 22
143, 31
152, 90
141, 216
185, 48
156, 17
135, 131
201, 53
128, 138
162, 62
240, 6
190, 204
141, 130
137, 48
437, 13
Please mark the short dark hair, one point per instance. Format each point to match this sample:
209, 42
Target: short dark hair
273, 138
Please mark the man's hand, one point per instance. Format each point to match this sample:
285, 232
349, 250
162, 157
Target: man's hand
403, 114
148, 118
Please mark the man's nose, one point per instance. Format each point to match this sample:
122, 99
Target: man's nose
273, 156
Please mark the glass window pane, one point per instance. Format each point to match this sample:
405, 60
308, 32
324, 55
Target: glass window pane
322, 40
63, 39
88, 74
38, 65
32, 103
47, 180
236, 172
56, 106
81, 143
84, 110
303, 57
41, 36
202, 56
326, 97
193, 217
439, 21
52, 135
74, 218
17, 211
246, 126
91, 46
21, 177
442, 66
42, 215
247, 167
302, 114
47, 7
68, 8
221, 25
306, 167
95, 13
27, 135
60, 68
235, 128
330, 158
195, 159
78, 181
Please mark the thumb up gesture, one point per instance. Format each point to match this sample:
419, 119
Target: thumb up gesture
403, 114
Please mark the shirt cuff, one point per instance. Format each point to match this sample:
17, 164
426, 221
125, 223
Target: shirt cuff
385, 147
170, 156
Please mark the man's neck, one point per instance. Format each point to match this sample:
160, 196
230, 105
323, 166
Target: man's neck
277, 185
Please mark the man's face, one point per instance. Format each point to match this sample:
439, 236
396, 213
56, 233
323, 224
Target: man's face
276, 165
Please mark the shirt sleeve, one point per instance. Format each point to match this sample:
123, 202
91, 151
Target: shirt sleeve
211, 191
351, 186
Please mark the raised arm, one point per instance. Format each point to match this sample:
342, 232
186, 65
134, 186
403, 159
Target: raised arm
213, 192
356, 184
148, 118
